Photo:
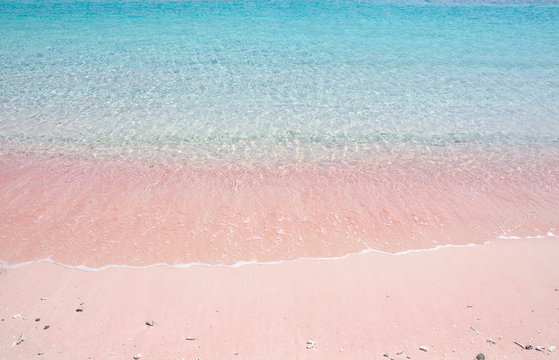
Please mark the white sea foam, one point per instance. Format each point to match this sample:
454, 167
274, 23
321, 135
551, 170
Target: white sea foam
7, 266
512, 237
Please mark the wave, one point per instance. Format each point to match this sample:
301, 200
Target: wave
7, 266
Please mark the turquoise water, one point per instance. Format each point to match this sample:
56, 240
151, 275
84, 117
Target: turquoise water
262, 78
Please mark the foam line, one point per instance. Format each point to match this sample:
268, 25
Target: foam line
7, 266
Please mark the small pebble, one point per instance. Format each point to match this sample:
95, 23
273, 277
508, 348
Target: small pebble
46, 327
551, 348
20, 340
16, 316
79, 310
424, 348
137, 356
37, 319
310, 344
540, 348
41, 353
490, 341
43, 299
480, 356
150, 323
528, 347
400, 352
386, 355
190, 338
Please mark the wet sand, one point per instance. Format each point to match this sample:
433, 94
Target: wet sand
358, 307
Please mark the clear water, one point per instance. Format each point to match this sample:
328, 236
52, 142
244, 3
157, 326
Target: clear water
272, 78
222, 132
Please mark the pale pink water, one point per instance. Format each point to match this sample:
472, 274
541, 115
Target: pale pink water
137, 212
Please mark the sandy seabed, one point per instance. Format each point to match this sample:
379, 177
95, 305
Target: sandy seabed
358, 307
94, 212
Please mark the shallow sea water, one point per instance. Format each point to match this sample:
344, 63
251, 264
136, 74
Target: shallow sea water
186, 129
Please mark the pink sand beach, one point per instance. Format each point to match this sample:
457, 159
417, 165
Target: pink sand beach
285, 262
359, 307
279, 179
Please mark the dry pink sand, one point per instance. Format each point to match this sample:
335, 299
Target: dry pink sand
358, 307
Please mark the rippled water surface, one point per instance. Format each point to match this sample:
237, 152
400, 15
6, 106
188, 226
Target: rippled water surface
249, 75
347, 119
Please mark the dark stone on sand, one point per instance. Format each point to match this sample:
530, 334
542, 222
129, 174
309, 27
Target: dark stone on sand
46, 327
37, 319
480, 357
79, 310
150, 323
528, 347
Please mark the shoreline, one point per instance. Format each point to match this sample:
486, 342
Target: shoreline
6, 266
107, 212
360, 306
